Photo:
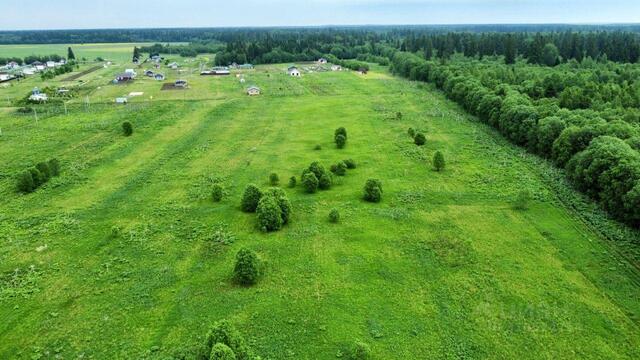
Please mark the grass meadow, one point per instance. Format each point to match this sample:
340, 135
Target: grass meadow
442, 268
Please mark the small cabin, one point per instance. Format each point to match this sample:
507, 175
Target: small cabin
124, 77
180, 83
121, 100
322, 61
131, 72
173, 66
158, 76
253, 91
293, 71
149, 73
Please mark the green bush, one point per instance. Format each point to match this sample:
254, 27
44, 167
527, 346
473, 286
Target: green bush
373, 190
317, 169
398, 115
438, 161
339, 169
522, 200
351, 164
223, 332
246, 268
38, 178
250, 198
43, 167
221, 351
217, 192
334, 215
324, 183
25, 182
274, 179
341, 141
127, 128
292, 182
283, 202
310, 182
411, 132
420, 139
54, 167
317, 147
269, 214
360, 351
340, 131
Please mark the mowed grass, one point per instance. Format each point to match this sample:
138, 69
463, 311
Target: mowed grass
443, 267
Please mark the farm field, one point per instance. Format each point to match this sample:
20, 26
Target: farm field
443, 267
112, 51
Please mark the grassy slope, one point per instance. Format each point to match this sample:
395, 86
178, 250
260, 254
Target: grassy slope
443, 267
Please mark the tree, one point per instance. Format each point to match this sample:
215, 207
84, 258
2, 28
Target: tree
334, 215
246, 268
283, 202
36, 175
70, 54
324, 183
420, 139
438, 161
217, 192
310, 182
54, 167
292, 182
550, 55
250, 198
269, 214
340, 131
351, 164
25, 182
274, 179
43, 168
339, 169
223, 332
411, 132
127, 128
341, 141
373, 190
510, 50
522, 200
221, 351
136, 54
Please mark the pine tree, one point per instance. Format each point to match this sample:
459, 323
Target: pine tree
438, 161
70, 54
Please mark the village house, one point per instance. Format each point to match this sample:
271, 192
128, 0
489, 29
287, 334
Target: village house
121, 100
253, 91
131, 72
124, 77
36, 95
149, 73
51, 64
38, 65
336, 68
173, 66
180, 83
6, 77
322, 61
159, 77
13, 65
293, 71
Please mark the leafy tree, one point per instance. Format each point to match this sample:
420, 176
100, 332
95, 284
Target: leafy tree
127, 128
340, 131
550, 55
25, 182
274, 179
373, 190
224, 333
549, 129
438, 161
246, 269
250, 198
339, 169
217, 192
292, 182
283, 202
510, 50
341, 141
43, 168
351, 164
310, 182
334, 215
221, 351
325, 182
419, 139
269, 214
70, 54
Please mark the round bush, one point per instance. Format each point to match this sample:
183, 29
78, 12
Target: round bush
224, 333
420, 139
317, 147
411, 132
274, 179
310, 182
334, 215
360, 351
283, 202
217, 192
341, 141
292, 182
340, 169
317, 169
246, 268
250, 198
221, 351
522, 200
324, 183
43, 167
54, 167
340, 131
38, 178
351, 164
25, 182
373, 190
438, 161
127, 128
269, 214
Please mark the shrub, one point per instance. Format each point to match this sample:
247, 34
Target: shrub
54, 167
351, 164
269, 214
116, 231
217, 192
411, 132
438, 161
292, 182
341, 141
283, 202
221, 351
310, 182
317, 169
274, 179
398, 115
373, 190
522, 200
339, 169
43, 167
246, 268
360, 351
224, 333
25, 182
334, 215
419, 139
127, 128
317, 147
38, 178
324, 183
250, 198
340, 131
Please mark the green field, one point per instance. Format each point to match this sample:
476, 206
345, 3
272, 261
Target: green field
443, 267
113, 51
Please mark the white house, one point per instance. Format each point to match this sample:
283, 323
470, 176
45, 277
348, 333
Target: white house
159, 77
173, 66
36, 95
5, 77
336, 68
322, 61
13, 65
131, 72
253, 91
121, 100
51, 64
293, 71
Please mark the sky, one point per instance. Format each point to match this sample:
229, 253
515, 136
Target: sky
91, 14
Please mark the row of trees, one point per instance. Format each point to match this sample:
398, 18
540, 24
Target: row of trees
32, 178
31, 59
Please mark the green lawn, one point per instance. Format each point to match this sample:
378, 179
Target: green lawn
443, 267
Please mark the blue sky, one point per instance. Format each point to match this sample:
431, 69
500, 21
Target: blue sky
64, 14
